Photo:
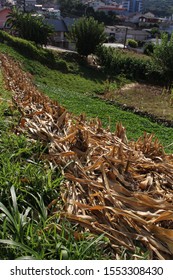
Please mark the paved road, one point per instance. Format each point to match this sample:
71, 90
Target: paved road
58, 49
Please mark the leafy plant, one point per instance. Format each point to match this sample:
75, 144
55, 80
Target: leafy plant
132, 43
15, 221
149, 48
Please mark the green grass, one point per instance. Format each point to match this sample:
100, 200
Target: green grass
77, 89
110, 114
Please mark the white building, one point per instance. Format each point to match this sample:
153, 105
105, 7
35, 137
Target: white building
120, 32
106, 6
133, 6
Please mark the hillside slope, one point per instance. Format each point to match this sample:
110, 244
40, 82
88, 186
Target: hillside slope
115, 187
159, 7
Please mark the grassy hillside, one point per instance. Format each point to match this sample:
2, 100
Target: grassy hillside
29, 186
159, 7
76, 89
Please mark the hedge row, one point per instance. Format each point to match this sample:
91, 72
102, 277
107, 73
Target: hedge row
27, 48
133, 66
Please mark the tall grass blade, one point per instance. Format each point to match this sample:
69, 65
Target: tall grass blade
95, 241
24, 248
14, 199
7, 213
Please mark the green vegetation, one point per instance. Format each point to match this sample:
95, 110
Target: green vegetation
77, 92
71, 8
30, 225
29, 27
132, 43
27, 48
159, 7
149, 48
87, 33
163, 57
133, 66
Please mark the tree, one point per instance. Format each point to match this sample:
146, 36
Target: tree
29, 27
71, 7
160, 8
163, 57
155, 32
87, 33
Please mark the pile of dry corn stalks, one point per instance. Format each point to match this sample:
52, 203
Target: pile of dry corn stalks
119, 188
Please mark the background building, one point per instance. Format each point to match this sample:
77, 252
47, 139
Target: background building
133, 6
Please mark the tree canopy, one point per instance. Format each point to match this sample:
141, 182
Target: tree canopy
71, 7
87, 33
159, 7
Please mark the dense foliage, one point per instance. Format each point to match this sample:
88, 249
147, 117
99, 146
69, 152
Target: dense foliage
159, 7
29, 27
133, 66
87, 33
27, 48
163, 57
132, 43
71, 7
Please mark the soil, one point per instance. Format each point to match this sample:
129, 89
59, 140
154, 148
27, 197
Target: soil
144, 99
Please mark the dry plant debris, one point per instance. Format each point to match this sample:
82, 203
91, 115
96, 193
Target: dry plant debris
121, 188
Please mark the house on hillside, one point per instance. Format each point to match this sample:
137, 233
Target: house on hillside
120, 32
4, 12
111, 6
150, 18
60, 29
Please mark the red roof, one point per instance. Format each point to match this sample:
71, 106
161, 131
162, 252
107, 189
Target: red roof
3, 16
112, 8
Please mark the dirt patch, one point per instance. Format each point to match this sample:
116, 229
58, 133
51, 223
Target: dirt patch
145, 98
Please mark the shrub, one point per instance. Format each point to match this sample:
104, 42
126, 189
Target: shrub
148, 48
116, 62
163, 57
132, 43
132, 66
62, 65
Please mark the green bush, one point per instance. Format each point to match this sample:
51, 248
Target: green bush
163, 57
62, 65
136, 67
116, 62
29, 27
148, 48
132, 43
87, 33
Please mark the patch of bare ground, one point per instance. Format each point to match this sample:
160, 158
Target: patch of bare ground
154, 100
